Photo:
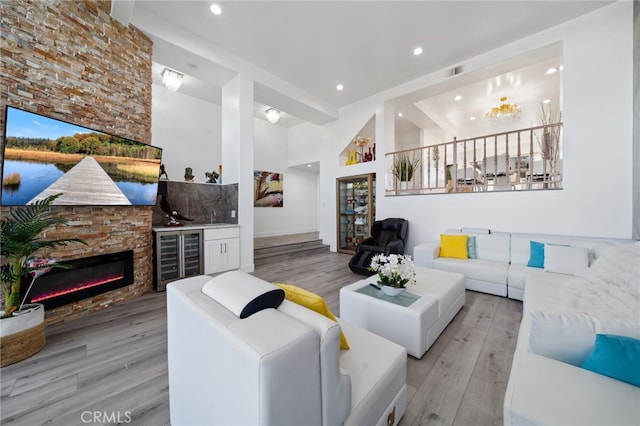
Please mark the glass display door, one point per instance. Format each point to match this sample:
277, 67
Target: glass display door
356, 210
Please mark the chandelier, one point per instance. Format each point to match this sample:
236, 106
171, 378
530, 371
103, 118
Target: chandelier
503, 111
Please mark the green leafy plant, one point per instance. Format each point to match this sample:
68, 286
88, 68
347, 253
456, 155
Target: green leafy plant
19, 232
404, 167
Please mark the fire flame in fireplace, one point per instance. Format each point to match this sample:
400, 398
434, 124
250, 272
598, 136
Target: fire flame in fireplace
83, 286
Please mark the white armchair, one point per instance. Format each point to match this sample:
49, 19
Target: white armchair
277, 366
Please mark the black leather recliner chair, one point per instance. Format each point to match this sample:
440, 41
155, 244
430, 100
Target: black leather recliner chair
388, 236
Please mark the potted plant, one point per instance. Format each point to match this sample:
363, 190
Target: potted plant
395, 271
404, 166
22, 327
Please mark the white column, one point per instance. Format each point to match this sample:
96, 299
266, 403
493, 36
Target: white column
237, 157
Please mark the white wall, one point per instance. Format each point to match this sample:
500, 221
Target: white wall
299, 211
188, 131
596, 199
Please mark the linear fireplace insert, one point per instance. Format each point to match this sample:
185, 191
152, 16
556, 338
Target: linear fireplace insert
86, 277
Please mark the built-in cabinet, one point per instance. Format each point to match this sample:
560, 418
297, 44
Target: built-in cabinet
177, 254
222, 249
181, 253
355, 210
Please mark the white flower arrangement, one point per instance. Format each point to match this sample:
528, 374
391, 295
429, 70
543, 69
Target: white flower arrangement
394, 270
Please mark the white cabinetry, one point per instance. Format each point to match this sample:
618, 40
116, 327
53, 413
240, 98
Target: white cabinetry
221, 249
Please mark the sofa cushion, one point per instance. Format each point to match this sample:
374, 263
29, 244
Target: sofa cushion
536, 254
494, 246
375, 379
519, 275
569, 337
471, 247
243, 294
617, 357
610, 288
454, 246
311, 301
565, 259
478, 269
336, 386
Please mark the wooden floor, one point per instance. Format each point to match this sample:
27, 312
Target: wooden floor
111, 367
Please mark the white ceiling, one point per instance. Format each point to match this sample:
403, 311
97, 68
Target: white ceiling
299, 50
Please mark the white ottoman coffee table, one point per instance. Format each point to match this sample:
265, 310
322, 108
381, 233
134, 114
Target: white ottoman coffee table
414, 319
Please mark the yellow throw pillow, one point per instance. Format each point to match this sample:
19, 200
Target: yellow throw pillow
311, 301
454, 246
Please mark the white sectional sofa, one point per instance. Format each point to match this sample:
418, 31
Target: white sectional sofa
501, 264
277, 366
560, 319
564, 307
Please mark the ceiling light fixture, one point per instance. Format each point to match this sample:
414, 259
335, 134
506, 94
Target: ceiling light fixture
457, 98
551, 71
503, 111
172, 80
546, 101
273, 115
472, 118
399, 114
417, 51
216, 9
339, 87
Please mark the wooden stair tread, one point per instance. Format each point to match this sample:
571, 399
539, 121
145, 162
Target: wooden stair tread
283, 247
277, 240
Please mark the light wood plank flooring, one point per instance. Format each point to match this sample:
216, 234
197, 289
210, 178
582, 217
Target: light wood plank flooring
114, 363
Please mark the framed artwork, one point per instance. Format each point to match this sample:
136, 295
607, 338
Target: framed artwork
267, 189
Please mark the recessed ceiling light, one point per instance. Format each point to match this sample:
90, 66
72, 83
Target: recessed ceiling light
551, 71
216, 9
472, 118
399, 114
546, 101
339, 87
309, 165
417, 51
458, 97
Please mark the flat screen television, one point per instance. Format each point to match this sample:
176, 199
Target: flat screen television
43, 156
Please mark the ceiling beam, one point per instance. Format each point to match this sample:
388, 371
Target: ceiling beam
121, 11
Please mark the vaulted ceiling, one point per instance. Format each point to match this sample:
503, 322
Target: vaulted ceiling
298, 51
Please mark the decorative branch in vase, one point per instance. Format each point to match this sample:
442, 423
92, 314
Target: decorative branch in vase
549, 141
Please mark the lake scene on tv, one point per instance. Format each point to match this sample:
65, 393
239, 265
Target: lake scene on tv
44, 156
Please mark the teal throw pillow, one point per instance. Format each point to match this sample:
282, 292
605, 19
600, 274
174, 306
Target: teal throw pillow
471, 247
617, 357
536, 256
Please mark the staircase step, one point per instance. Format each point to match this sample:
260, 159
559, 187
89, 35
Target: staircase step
262, 242
291, 253
286, 248
283, 247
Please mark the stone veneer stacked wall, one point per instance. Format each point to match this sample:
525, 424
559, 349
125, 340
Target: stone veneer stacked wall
70, 60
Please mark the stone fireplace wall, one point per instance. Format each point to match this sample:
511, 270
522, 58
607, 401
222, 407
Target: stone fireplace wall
71, 61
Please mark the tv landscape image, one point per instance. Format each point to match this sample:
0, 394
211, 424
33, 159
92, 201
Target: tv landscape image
45, 156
